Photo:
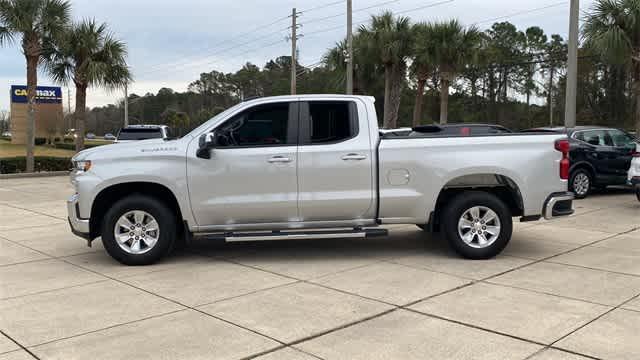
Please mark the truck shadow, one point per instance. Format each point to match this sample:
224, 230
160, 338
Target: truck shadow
397, 244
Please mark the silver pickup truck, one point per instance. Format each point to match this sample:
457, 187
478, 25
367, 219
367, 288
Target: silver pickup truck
313, 166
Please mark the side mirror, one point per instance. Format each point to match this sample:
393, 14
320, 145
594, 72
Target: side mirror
205, 143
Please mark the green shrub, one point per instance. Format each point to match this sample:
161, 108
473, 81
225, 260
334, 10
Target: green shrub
7, 138
18, 164
68, 140
41, 141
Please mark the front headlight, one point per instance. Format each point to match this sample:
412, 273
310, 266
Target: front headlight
82, 165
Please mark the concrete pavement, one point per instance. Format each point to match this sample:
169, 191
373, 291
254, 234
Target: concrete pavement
566, 289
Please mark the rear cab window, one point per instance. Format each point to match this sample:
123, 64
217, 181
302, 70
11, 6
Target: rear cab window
328, 122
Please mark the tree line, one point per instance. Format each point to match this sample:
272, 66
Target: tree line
439, 71
419, 73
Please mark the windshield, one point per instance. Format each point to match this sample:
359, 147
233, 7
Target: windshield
139, 134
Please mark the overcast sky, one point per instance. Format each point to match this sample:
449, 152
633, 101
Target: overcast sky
171, 42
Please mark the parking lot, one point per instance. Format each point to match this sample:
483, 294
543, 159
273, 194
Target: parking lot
566, 289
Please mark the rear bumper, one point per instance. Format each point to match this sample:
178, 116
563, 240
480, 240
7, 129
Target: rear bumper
79, 227
558, 204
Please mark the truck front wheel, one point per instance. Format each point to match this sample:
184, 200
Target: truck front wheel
477, 224
138, 230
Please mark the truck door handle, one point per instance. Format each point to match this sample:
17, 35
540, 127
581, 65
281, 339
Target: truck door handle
353, 156
279, 159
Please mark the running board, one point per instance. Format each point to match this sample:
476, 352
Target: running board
297, 235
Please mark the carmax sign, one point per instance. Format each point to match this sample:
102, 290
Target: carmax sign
44, 94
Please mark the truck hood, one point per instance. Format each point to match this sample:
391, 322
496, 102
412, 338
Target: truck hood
124, 149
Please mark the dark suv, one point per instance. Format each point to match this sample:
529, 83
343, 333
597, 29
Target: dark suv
599, 157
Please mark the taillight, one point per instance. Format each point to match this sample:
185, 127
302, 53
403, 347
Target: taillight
562, 145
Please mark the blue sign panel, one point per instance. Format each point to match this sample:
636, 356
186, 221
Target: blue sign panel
44, 94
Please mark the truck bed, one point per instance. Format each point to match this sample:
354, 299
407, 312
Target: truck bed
410, 166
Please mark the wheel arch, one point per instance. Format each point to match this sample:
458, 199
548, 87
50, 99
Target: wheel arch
502, 186
109, 195
583, 165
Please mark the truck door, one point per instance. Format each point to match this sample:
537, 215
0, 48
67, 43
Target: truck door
251, 175
335, 162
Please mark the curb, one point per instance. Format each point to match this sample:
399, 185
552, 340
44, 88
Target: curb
34, 175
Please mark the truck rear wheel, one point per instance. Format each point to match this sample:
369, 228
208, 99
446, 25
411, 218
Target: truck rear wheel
138, 230
477, 224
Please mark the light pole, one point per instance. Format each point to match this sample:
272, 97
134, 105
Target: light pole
126, 105
572, 66
349, 49
294, 61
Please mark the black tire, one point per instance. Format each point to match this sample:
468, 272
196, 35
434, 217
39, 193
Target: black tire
164, 217
580, 192
458, 206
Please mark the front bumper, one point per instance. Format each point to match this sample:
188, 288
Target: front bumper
558, 204
79, 227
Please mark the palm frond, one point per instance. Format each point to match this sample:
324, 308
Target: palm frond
6, 36
612, 30
91, 56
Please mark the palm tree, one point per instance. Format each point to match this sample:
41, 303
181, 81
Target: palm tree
389, 41
88, 55
36, 23
423, 63
367, 72
455, 47
335, 60
611, 30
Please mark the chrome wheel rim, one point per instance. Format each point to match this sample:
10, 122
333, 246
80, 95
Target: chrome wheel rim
479, 227
136, 232
581, 184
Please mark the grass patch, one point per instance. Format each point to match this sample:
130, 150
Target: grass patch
7, 149
47, 157
96, 142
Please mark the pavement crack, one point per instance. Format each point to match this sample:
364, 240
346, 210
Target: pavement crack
20, 345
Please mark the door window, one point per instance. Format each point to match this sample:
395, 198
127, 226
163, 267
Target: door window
621, 138
330, 122
595, 137
263, 125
